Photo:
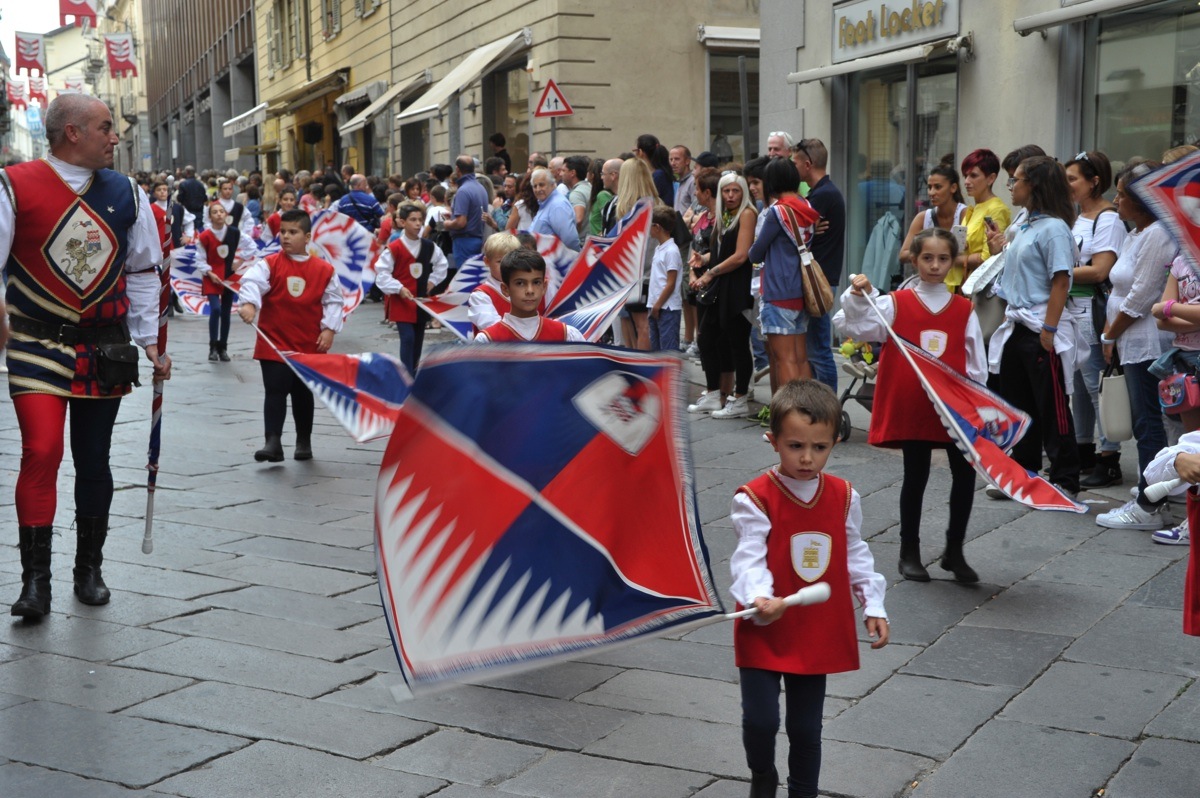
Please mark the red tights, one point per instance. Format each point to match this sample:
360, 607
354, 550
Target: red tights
42, 420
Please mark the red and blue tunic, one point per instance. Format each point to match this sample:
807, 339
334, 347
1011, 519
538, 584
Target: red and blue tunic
66, 266
807, 544
413, 274
901, 411
292, 308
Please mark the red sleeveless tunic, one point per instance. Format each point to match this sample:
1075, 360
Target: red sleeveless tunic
291, 311
902, 411
550, 330
1191, 584
412, 273
807, 544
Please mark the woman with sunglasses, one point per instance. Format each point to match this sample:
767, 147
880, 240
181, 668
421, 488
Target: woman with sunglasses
1027, 352
1099, 234
1131, 335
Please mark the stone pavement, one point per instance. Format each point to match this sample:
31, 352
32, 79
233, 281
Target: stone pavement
248, 654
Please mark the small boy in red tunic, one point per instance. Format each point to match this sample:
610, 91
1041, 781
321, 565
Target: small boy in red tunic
1182, 461
797, 526
301, 304
523, 281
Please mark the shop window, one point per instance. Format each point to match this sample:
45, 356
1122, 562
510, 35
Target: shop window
726, 138
506, 110
1144, 70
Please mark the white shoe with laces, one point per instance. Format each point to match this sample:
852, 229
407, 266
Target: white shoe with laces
707, 403
1131, 515
735, 407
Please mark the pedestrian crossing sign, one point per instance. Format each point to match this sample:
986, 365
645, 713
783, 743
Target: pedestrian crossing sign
553, 103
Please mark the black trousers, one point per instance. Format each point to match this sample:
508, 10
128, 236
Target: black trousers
724, 344
281, 382
917, 455
1032, 379
760, 723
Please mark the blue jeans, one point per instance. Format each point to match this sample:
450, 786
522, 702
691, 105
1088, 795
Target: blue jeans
1085, 403
664, 331
219, 307
465, 248
820, 350
1148, 429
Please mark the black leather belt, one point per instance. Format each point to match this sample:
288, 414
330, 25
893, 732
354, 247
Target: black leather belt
69, 334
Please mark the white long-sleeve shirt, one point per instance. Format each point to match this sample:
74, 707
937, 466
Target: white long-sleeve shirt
857, 320
1162, 467
245, 226
752, 578
256, 283
385, 265
528, 328
481, 311
143, 253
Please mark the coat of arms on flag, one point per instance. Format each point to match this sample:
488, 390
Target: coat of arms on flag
570, 521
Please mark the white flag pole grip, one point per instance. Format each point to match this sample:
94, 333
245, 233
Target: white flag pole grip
1159, 490
813, 594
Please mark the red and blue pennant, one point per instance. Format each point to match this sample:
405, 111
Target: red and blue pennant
1173, 194
536, 503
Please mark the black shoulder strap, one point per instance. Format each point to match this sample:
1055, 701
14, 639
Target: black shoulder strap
1097, 219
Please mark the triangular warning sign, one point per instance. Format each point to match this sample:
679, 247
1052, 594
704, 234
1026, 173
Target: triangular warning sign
553, 103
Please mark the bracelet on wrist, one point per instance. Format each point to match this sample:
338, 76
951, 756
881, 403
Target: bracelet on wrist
1049, 328
1167, 308
1107, 341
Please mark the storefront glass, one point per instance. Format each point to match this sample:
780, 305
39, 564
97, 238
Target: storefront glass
1144, 72
896, 136
726, 139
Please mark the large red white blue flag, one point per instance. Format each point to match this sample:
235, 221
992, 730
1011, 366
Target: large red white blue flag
1173, 193
469, 276
570, 522
347, 245
451, 311
984, 427
606, 266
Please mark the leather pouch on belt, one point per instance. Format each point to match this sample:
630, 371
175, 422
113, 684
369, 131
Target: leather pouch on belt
116, 364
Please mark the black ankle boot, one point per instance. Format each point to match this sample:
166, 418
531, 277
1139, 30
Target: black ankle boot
954, 562
212, 351
1107, 471
1087, 456
222, 355
34, 602
90, 534
911, 567
303, 447
764, 785
271, 452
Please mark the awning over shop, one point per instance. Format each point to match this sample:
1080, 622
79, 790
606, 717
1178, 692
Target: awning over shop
398, 92
1069, 14
233, 153
246, 121
312, 90
430, 103
908, 55
715, 37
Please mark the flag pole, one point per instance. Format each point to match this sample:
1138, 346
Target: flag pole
152, 453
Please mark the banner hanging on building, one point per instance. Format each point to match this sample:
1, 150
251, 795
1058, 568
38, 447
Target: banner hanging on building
16, 95
121, 60
37, 90
73, 84
84, 11
31, 53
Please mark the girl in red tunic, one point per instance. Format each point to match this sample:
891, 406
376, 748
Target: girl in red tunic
219, 242
795, 526
902, 417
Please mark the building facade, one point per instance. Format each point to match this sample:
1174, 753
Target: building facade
895, 88
199, 66
626, 67
126, 95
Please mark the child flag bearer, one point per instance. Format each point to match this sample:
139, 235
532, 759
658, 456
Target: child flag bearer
301, 304
774, 559
945, 326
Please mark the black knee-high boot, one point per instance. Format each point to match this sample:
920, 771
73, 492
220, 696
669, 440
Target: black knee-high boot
90, 534
34, 601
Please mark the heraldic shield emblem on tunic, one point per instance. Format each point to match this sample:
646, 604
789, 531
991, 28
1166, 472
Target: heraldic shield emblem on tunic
810, 554
81, 249
295, 286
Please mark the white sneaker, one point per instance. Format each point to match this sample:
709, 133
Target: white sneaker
735, 407
1131, 516
762, 372
692, 350
1175, 536
707, 403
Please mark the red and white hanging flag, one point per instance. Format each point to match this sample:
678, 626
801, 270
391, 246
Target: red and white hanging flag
37, 90
31, 53
72, 84
121, 61
16, 95
82, 10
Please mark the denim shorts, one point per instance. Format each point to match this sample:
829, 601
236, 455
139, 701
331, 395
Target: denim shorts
781, 321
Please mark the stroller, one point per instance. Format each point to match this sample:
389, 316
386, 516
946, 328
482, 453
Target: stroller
861, 365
